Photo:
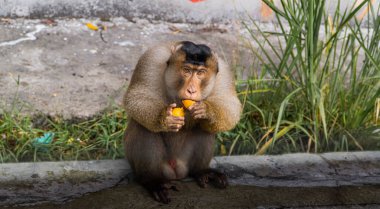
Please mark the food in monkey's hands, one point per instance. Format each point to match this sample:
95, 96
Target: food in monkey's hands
178, 112
187, 103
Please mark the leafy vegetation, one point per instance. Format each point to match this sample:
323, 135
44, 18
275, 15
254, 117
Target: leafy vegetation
98, 138
312, 92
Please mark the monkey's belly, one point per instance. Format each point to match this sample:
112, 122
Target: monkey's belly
186, 151
167, 155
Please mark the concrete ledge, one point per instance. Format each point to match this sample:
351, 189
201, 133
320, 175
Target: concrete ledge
22, 183
303, 170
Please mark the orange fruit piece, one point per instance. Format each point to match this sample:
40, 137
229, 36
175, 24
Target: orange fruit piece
92, 27
187, 102
178, 112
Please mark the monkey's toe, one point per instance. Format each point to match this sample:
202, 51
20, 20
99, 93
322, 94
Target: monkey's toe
202, 180
161, 194
217, 178
220, 180
159, 191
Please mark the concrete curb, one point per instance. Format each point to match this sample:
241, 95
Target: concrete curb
23, 183
304, 170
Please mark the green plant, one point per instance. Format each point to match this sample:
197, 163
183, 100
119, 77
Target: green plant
311, 93
97, 138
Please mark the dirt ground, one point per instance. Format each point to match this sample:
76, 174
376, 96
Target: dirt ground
63, 68
191, 196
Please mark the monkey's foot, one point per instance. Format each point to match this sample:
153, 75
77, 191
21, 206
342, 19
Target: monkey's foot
213, 176
160, 191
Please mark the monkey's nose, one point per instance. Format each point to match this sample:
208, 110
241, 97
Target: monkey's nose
191, 91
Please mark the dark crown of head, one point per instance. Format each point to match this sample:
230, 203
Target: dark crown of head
196, 54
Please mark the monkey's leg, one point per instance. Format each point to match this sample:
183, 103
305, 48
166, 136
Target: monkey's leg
203, 149
214, 176
158, 188
146, 154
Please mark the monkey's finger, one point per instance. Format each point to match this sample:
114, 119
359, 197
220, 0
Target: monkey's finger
199, 111
179, 119
175, 120
174, 128
202, 181
193, 106
169, 109
199, 114
179, 123
164, 197
161, 197
176, 125
155, 196
200, 117
197, 108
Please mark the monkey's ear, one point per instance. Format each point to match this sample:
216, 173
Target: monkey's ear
175, 47
215, 60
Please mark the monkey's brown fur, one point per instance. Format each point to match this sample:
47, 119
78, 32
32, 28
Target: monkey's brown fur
150, 148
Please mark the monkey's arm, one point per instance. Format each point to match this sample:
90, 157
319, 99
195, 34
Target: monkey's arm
145, 98
223, 108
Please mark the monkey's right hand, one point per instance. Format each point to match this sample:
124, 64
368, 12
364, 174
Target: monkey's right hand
172, 123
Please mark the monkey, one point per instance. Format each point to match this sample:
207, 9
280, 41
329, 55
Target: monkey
161, 147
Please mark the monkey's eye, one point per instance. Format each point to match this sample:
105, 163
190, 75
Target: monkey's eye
201, 72
187, 71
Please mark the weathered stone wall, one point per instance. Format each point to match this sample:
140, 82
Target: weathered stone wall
191, 11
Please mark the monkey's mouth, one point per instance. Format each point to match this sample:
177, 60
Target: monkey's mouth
189, 98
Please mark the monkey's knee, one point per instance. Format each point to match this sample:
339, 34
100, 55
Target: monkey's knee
168, 171
174, 169
181, 169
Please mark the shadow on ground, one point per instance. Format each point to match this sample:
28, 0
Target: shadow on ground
191, 196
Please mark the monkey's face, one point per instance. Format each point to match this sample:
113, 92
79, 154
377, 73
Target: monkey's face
197, 82
191, 73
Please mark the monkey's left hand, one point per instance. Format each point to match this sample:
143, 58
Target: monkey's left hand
199, 110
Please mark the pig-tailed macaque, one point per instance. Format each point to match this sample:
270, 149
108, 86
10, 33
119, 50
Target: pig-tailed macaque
160, 146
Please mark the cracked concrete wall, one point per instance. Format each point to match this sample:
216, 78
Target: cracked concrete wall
206, 11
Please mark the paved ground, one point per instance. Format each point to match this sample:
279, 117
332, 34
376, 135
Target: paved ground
234, 197
66, 69
293, 180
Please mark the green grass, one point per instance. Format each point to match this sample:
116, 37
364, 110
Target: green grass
308, 91
98, 138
